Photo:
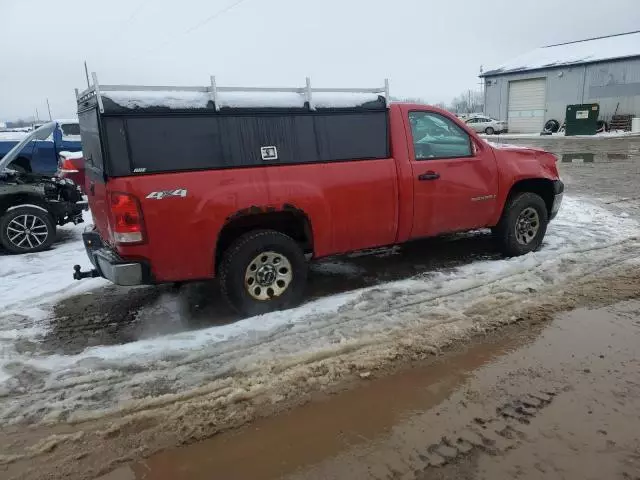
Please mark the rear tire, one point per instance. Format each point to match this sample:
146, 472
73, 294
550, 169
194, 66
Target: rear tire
263, 271
489, 131
523, 224
26, 230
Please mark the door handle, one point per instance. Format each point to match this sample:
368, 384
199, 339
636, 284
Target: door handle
92, 188
430, 175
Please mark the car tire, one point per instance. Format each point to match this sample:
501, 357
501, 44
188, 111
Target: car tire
37, 227
489, 131
552, 126
263, 271
523, 224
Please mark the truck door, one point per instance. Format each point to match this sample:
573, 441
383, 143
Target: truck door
44, 159
455, 176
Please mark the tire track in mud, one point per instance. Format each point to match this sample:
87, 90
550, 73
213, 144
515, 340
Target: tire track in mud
493, 435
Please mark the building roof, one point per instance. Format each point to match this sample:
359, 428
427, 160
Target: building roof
591, 50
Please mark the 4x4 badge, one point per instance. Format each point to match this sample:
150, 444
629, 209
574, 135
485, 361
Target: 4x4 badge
180, 192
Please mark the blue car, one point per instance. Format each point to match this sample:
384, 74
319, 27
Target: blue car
41, 156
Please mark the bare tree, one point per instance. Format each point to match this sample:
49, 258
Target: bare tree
471, 101
409, 100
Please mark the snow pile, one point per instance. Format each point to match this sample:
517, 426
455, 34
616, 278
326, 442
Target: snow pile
597, 49
259, 99
342, 100
584, 239
168, 99
507, 146
256, 99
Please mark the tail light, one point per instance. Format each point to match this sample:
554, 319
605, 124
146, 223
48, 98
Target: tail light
127, 225
65, 165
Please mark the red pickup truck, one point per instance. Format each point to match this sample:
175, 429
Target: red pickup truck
201, 185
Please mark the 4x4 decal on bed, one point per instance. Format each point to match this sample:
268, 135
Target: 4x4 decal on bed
180, 192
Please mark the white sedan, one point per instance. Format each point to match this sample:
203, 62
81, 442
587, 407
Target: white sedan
487, 125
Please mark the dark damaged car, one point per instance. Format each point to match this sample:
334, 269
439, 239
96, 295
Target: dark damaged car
32, 205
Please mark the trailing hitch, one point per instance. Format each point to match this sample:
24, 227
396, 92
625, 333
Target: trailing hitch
78, 275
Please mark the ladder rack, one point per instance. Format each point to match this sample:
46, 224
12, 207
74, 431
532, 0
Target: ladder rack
213, 89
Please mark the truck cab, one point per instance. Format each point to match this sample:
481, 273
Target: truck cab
246, 185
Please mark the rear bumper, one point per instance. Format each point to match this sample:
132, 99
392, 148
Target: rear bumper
558, 190
110, 265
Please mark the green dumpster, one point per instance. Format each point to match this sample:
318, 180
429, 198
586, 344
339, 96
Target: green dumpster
582, 119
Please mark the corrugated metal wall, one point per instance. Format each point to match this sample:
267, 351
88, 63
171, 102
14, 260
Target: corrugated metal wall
608, 84
611, 84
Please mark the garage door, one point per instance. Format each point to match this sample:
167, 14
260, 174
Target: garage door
526, 105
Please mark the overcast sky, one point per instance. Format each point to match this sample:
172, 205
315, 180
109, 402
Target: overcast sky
428, 49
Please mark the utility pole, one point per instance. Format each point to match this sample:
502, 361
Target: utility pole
482, 89
49, 108
37, 116
86, 72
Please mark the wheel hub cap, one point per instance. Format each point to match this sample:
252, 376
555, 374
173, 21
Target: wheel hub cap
268, 275
527, 226
27, 231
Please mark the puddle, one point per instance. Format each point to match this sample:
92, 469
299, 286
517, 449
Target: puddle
278, 445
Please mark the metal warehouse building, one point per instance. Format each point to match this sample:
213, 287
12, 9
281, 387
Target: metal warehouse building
537, 86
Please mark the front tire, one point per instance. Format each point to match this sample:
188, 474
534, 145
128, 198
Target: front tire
26, 230
489, 131
263, 271
523, 224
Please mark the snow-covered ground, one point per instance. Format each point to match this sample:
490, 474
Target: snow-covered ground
32, 282
585, 238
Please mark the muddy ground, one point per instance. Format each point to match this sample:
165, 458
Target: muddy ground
464, 409
358, 412
544, 401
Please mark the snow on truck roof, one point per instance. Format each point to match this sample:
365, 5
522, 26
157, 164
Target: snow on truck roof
591, 50
196, 100
134, 97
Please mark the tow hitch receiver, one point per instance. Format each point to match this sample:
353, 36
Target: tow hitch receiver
78, 275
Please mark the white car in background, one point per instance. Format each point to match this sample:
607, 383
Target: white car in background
488, 125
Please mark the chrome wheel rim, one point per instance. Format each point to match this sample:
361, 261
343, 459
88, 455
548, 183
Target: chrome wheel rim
27, 231
527, 226
268, 276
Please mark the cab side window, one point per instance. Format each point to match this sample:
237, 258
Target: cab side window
435, 136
